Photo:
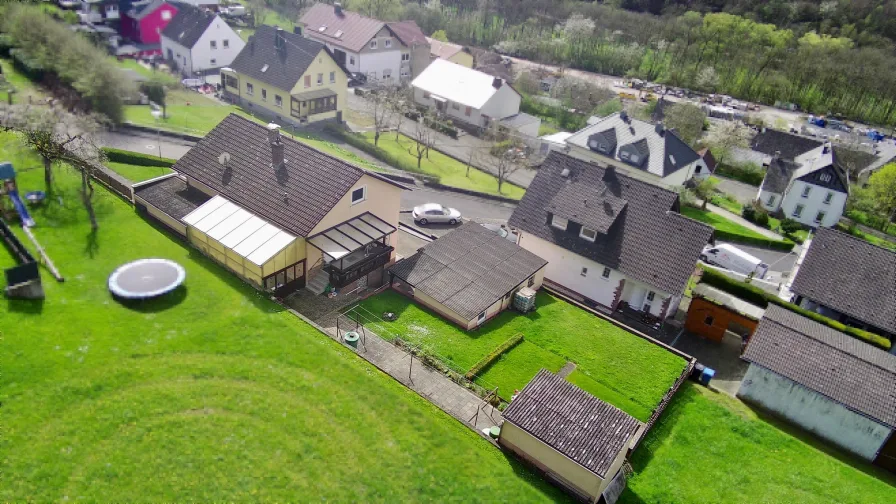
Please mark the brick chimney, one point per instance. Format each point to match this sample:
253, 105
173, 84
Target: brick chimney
277, 159
337, 8
497, 83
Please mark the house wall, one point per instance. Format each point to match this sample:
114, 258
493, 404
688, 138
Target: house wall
763, 197
565, 268
673, 180
813, 412
722, 317
180, 55
813, 204
383, 200
504, 103
152, 25
554, 463
203, 54
324, 64
459, 113
419, 59
373, 62
699, 169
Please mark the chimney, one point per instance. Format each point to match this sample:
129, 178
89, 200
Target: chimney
660, 129
278, 39
827, 148
277, 159
497, 83
337, 8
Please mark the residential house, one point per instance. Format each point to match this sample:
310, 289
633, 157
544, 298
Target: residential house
642, 150
847, 279
554, 142
454, 53
709, 161
611, 241
811, 188
276, 212
98, 11
384, 52
827, 382
287, 76
472, 97
579, 441
197, 41
144, 21
468, 275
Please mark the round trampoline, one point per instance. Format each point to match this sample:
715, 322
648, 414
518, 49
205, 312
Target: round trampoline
146, 278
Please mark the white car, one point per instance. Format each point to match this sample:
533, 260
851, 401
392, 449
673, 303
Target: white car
435, 213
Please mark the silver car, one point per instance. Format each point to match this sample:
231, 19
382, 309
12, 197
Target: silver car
435, 213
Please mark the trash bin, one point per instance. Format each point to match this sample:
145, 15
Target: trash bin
706, 376
351, 339
697, 372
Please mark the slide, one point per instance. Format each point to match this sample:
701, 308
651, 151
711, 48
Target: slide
27, 221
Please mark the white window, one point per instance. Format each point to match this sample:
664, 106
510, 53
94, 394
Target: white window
584, 271
264, 95
588, 234
819, 217
351, 60
806, 191
166, 15
332, 77
559, 222
387, 73
250, 89
623, 155
388, 43
651, 295
825, 177
455, 105
225, 43
798, 210
531, 281
771, 199
635, 158
278, 101
373, 44
606, 273
828, 197
481, 318
359, 195
213, 44
406, 57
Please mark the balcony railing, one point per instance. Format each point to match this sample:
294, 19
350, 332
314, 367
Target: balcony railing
359, 263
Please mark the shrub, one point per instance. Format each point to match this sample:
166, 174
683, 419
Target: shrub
136, 158
748, 173
383, 155
790, 226
759, 297
489, 359
749, 213
761, 218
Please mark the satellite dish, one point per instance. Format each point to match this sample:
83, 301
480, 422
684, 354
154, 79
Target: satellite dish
224, 158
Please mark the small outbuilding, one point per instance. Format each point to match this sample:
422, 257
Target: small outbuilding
577, 440
714, 312
827, 382
469, 275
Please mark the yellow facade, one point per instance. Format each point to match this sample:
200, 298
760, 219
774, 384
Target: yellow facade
291, 254
292, 106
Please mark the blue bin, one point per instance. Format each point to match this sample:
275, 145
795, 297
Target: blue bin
706, 376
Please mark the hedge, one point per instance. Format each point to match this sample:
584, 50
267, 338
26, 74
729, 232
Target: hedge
784, 245
762, 298
748, 175
489, 359
137, 158
359, 142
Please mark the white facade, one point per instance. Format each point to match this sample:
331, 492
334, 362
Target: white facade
95, 11
216, 48
380, 63
586, 277
504, 103
814, 412
380, 66
806, 210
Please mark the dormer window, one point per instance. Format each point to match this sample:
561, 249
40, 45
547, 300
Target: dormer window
634, 158
559, 222
588, 234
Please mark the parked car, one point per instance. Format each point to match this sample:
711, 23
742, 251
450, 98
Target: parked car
734, 259
501, 231
435, 213
357, 79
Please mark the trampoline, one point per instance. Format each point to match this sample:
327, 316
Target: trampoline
146, 278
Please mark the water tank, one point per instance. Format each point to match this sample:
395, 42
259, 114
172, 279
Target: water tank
351, 339
524, 300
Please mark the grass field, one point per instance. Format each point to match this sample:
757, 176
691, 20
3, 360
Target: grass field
708, 447
555, 333
451, 172
22, 86
719, 222
136, 173
213, 394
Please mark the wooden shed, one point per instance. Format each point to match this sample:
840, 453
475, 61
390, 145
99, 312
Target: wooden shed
713, 312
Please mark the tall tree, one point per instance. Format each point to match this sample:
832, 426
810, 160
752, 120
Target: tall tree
726, 136
381, 107
882, 190
687, 119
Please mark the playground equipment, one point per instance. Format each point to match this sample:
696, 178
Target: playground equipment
8, 178
146, 279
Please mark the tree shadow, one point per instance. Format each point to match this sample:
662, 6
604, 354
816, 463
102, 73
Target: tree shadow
26, 306
157, 304
92, 244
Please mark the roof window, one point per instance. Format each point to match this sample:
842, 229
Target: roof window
338, 34
265, 68
322, 28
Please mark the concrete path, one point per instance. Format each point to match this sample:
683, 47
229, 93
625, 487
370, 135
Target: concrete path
743, 222
567, 369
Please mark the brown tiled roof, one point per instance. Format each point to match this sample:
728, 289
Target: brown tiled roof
708, 158
851, 276
356, 30
848, 371
295, 197
573, 422
444, 50
408, 32
649, 240
468, 269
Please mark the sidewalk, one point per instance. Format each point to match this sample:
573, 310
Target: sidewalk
743, 222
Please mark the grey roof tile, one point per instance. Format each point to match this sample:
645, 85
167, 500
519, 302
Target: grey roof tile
788, 145
172, 196
650, 241
778, 175
188, 25
855, 374
573, 422
282, 68
590, 205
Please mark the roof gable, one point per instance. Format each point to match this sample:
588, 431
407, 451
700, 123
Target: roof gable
344, 29
778, 175
282, 68
407, 32
444, 50
188, 25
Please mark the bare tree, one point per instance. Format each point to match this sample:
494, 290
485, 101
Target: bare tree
59, 136
400, 101
506, 164
381, 106
423, 139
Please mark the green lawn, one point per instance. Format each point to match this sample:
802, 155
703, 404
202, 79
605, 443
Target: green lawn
451, 171
708, 447
720, 223
547, 128
633, 374
136, 173
164, 77
22, 86
212, 394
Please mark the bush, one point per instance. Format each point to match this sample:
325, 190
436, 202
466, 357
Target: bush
749, 213
761, 218
759, 297
489, 359
136, 158
790, 226
748, 173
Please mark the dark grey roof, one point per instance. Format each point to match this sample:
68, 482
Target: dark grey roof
851, 276
188, 25
468, 269
778, 175
651, 241
853, 373
295, 197
640, 146
788, 145
595, 207
573, 422
678, 153
172, 196
607, 137
282, 68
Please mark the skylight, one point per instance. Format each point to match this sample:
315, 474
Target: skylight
322, 28
672, 159
338, 33
265, 68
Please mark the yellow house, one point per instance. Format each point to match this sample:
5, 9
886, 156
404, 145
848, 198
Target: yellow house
287, 77
577, 440
451, 52
278, 213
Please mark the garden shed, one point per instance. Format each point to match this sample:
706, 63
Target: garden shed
714, 312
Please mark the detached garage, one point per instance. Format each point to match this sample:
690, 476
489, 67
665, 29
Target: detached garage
831, 384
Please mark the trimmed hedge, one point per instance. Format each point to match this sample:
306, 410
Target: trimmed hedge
489, 359
137, 158
783, 245
359, 142
761, 298
751, 175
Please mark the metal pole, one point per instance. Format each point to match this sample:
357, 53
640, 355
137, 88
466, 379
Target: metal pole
159, 130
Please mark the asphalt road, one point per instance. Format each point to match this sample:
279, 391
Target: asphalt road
146, 143
778, 261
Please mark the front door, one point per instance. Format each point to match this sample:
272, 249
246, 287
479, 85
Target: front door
636, 300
